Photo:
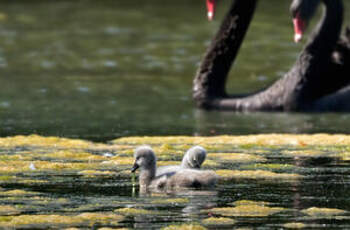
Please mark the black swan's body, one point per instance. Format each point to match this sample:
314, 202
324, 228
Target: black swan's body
314, 83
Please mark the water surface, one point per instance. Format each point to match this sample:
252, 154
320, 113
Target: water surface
267, 182
104, 69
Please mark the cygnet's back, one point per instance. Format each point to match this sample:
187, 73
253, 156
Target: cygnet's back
193, 159
192, 178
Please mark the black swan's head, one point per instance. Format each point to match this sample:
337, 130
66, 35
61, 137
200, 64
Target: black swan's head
302, 11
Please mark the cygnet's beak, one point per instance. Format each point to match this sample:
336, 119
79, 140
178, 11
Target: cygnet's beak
134, 167
196, 164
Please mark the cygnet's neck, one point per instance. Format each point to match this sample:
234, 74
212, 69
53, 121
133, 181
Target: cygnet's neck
186, 161
147, 175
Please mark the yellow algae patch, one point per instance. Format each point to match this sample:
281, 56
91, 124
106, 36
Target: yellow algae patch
43, 201
28, 181
69, 155
304, 153
270, 166
90, 218
295, 225
14, 166
103, 218
92, 173
6, 210
134, 211
261, 139
105, 228
35, 140
167, 163
25, 166
41, 219
345, 156
323, 212
185, 227
170, 201
236, 157
210, 163
255, 174
251, 202
6, 178
246, 211
46, 165
217, 221
17, 192
122, 160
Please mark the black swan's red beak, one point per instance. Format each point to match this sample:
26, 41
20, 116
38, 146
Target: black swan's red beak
299, 28
211, 9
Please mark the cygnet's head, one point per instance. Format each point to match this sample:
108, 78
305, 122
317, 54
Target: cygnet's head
194, 157
144, 158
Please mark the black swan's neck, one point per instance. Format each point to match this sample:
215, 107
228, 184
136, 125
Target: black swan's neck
307, 81
324, 38
310, 82
211, 76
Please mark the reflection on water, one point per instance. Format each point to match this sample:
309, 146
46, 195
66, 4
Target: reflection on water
104, 69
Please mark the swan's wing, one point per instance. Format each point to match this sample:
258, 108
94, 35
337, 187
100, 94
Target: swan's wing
171, 169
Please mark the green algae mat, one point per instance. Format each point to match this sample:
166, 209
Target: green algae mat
266, 181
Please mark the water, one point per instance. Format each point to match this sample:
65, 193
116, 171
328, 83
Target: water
58, 183
104, 69
99, 70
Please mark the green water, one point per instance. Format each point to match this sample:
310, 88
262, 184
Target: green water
98, 70
104, 69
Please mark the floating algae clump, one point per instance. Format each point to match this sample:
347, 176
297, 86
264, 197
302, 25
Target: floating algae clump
251, 202
105, 228
50, 220
323, 212
185, 227
93, 173
236, 157
262, 140
122, 160
134, 211
304, 153
255, 174
270, 166
70, 155
42, 220
104, 218
220, 221
170, 201
17, 192
345, 156
35, 140
6, 210
247, 209
295, 225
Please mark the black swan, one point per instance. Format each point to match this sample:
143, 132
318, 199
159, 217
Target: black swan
321, 69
